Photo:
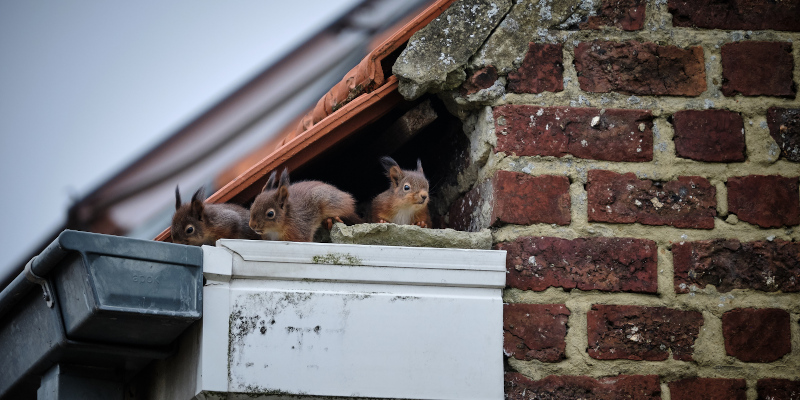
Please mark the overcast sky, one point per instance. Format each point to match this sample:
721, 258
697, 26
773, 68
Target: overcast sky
88, 86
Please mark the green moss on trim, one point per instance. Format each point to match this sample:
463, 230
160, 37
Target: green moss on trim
337, 259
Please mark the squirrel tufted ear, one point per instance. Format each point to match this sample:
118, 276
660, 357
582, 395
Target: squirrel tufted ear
393, 170
388, 162
177, 198
395, 175
284, 178
270, 182
283, 196
419, 166
197, 203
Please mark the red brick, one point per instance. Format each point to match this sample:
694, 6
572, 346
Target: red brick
768, 201
708, 389
641, 333
640, 68
736, 15
729, 264
608, 264
553, 387
513, 198
535, 331
757, 335
615, 135
689, 202
541, 70
758, 69
480, 79
627, 15
784, 127
710, 135
778, 389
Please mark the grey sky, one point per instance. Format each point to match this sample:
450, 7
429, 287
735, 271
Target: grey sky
88, 86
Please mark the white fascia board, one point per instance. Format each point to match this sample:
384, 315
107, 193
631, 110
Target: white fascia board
367, 264
213, 367
217, 264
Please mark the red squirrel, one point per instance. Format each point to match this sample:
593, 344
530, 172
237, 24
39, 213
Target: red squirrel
197, 223
406, 200
293, 212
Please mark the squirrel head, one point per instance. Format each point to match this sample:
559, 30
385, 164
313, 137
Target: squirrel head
270, 208
189, 221
410, 187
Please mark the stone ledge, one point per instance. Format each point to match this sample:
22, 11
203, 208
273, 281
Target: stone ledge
410, 236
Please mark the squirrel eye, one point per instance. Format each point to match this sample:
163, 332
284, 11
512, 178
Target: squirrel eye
270, 214
189, 230
406, 187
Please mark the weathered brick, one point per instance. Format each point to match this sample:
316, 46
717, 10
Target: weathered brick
708, 389
627, 15
757, 335
758, 69
513, 198
709, 135
535, 331
778, 389
689, 202
599, 263
480, 79
541, 70
729, 264
640, 68
641, 333
784, 127
554, 387
610, 135
769, 201
736, 15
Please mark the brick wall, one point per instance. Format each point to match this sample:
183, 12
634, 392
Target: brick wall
641, 168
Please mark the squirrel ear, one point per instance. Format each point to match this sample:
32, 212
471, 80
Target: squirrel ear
395, 175
388, 162
283, 196
177, 198
284, 178
270, 182
393, 170
197, 204
419, 166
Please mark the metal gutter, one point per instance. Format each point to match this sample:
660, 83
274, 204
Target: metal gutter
110, 302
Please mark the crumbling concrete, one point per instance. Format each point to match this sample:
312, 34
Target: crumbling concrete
435, 56
410, 236
529, 21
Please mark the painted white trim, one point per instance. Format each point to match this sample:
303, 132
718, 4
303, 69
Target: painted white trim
217, 264
383, 256
353, 321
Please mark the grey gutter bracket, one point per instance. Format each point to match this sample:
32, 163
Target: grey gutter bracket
47, 288
69, 382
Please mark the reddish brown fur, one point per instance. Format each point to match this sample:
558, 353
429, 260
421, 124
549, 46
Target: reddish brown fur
208, 222
401, 206
298, 209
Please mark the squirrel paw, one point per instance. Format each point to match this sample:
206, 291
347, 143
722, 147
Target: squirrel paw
421, 224
381, 221
329, 222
